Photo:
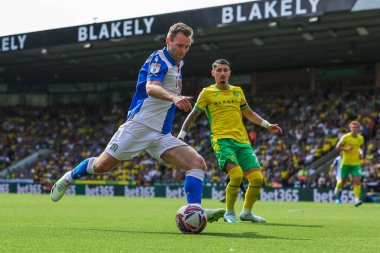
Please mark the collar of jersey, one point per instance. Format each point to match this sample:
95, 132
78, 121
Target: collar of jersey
172, 61
216, 86
352, 135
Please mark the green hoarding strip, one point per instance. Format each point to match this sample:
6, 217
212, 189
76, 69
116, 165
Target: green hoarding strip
176, 191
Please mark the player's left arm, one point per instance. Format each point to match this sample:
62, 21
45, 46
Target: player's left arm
361, 153
252, 116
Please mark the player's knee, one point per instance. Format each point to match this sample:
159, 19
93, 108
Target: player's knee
98, 168
200, 163
101, 166
236, 175
255, 177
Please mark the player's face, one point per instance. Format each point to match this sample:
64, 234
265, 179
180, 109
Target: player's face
354, 128
179, 47
221, 73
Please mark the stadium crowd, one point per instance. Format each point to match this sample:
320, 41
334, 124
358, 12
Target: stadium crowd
312, 125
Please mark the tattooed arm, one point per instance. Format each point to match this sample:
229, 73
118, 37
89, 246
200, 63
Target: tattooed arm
189, 121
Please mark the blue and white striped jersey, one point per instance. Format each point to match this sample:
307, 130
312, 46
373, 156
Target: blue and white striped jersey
153, 112
337, 164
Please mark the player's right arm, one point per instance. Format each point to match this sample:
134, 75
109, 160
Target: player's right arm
188, 123
340, 145
155, 89
199, 107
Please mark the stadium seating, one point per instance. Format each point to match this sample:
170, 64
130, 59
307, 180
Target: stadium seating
312, 125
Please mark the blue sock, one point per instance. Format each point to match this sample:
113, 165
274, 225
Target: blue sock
193, 190
340, 194
80, 170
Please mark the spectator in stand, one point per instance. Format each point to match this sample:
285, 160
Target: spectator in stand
302, 176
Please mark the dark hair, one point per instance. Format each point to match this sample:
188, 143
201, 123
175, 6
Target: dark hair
180, 28
220, 61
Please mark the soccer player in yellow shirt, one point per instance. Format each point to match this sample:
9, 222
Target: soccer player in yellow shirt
225, 106
350, 144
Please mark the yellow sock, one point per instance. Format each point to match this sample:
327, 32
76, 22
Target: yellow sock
255, 180
338, 188
357, 191
339, 185
232, 190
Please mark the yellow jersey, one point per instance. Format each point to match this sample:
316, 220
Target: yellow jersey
351, 157
223, 109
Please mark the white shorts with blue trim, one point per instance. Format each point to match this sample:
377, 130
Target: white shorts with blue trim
132, 138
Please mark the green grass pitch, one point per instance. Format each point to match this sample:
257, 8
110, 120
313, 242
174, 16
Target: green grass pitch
33, 223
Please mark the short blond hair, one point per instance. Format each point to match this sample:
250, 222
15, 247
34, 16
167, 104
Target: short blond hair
354, 122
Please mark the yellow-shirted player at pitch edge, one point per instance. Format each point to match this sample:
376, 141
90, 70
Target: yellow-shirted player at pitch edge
225, 105
350, 145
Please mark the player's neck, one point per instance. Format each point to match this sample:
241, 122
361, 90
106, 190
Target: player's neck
222, 86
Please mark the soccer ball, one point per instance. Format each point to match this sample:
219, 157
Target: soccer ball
191, 219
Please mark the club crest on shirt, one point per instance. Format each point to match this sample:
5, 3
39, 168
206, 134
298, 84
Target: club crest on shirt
155, 68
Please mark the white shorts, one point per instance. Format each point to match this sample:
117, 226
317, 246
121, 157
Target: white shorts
338, 175
132, 138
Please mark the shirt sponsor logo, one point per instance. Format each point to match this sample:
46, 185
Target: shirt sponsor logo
228, 101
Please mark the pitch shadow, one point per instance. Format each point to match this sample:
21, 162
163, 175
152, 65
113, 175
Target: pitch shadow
293, 225
246, 235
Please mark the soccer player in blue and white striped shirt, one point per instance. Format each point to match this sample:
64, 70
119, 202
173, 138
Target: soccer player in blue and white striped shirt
149, 123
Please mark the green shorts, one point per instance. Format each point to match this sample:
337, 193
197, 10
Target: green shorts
229, 150
354, 170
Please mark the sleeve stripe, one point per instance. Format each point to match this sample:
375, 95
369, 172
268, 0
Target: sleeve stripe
244, 106
198, 108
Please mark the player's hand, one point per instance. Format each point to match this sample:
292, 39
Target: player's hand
183, 103
348, 148
274, 129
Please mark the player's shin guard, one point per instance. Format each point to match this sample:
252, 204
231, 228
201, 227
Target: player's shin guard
194, 186
255, 180
85, 168
232, 189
